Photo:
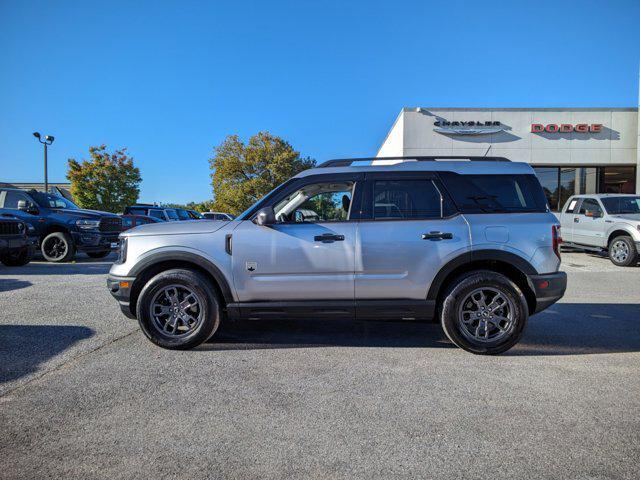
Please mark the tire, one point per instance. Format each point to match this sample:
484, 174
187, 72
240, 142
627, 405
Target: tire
64, 250
623, 251
172, 284
100, 254
17, 259
461, 327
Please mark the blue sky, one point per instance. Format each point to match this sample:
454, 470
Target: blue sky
169, 80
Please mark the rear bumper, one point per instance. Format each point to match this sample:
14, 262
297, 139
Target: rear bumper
120, 289
548, 288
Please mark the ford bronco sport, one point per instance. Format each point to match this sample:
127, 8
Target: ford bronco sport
470, 243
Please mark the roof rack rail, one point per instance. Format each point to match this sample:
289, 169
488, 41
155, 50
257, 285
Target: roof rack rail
346, 162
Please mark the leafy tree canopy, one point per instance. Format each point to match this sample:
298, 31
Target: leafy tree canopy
107, 181
244, 173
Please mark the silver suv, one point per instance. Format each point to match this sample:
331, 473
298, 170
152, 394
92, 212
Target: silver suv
470, 243
606, 222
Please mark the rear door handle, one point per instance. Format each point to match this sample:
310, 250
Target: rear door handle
328, 238
437, 236
576, 220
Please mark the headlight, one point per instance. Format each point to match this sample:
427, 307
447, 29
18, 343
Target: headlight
21, 227
122, 250
85, 224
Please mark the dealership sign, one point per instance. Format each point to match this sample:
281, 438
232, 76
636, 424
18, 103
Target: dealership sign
467, 128
566, 128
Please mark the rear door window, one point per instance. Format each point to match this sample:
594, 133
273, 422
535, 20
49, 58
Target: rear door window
406, 199
156, 214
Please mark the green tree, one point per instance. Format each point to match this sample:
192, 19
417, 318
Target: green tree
244, 173
108, 181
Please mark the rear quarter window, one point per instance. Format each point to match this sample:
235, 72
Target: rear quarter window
495, 193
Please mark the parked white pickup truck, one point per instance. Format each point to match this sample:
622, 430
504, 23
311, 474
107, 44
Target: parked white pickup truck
604, 222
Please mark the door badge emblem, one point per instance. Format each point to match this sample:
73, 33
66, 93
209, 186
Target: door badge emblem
252, 266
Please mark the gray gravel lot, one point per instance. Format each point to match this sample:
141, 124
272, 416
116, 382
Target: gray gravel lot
84, 395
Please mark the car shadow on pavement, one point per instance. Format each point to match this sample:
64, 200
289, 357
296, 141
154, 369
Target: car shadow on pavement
9, 284
582, 328
24, 347
306, 333
563, 329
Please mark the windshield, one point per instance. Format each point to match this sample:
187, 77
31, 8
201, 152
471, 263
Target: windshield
621, 205
172, 214
183, 214
48, 200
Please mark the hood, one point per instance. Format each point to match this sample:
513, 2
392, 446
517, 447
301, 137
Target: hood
80, 213
634, 217
176, 228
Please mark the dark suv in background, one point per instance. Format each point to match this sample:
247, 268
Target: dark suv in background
61, 227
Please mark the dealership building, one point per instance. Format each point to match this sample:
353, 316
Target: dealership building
572, 150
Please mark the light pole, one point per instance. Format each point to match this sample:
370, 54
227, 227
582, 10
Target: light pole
48, 140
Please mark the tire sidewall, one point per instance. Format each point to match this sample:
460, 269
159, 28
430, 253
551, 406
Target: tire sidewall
64, 237
17, 260
194, 281
633, 253
459, 290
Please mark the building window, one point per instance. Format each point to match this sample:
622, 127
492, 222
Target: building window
560, 183
618, 180
548, 177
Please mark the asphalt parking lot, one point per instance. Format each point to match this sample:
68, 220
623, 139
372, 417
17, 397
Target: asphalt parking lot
84, 395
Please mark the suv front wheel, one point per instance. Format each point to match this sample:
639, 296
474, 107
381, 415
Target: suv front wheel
178, 309
484, 312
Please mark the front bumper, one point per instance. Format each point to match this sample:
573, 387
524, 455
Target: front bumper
14, 242
548, 288
120, 289
95, 241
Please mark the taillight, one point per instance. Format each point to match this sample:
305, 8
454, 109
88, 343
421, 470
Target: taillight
556, 239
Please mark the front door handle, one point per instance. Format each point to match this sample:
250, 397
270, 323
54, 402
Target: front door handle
437, 236
576, 220
328, 238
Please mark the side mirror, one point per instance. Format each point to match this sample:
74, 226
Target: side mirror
28, 207
265, 216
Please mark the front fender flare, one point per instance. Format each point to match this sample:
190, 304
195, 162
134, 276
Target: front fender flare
183, 256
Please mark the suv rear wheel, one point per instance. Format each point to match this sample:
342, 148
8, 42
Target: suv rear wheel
622, 251
484, 312
178, 309
58, 247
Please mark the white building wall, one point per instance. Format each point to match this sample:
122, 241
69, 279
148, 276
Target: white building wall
393, 145
617, 144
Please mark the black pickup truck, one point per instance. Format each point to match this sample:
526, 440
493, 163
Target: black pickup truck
16, 244
60, 226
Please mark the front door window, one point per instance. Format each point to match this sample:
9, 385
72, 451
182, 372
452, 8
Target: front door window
321, 202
